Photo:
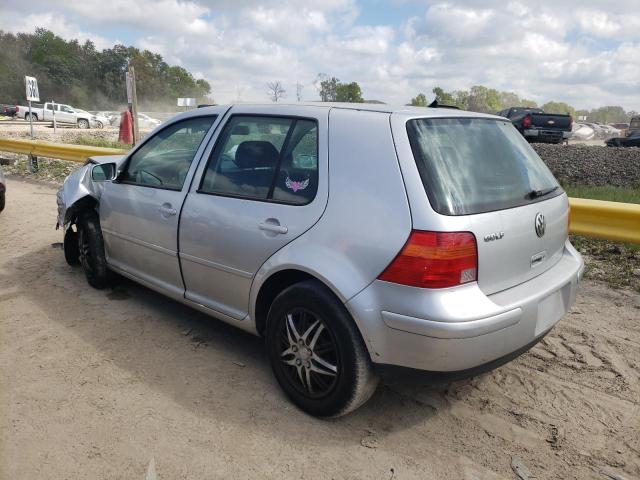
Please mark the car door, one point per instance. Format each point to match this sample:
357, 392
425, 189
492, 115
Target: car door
65, 114
264, 183
139, 211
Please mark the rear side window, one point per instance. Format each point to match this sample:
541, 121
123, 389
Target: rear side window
473, 165
265, 158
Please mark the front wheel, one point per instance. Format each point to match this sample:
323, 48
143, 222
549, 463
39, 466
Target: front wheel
317, 353
91, 251
82, 123
99, 125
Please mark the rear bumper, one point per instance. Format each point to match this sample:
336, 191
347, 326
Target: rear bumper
461, 328
547, 134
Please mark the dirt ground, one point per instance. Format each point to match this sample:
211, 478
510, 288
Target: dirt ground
96, 384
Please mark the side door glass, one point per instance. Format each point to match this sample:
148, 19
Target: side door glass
164, 160
265, 158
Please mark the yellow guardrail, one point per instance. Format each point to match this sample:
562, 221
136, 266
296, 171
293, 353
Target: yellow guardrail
607, 220
591, 218
40, 148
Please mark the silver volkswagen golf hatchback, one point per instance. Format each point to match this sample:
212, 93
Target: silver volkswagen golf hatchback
349, 236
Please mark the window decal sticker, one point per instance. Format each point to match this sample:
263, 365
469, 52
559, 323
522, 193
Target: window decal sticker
296, 185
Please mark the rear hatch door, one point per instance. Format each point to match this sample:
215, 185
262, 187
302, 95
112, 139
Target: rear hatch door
480, 175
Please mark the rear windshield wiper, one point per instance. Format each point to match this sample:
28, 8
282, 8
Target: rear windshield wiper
540, 193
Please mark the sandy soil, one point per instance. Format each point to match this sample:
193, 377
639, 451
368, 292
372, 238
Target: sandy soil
96, 384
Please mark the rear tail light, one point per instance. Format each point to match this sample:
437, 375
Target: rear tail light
526, 122
435, 260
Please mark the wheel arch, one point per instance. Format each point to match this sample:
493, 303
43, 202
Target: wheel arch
83, 204
275, 283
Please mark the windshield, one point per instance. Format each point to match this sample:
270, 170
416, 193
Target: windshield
475, 165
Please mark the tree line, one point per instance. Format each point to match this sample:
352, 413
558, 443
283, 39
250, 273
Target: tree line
79, 74
488, 100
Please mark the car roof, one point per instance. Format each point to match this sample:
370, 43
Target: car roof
403, 110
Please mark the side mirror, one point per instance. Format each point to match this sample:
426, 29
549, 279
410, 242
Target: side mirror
103, 172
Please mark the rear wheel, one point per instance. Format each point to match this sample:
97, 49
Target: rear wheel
317, 353
91, 251
83, 123
31, 117
2, 200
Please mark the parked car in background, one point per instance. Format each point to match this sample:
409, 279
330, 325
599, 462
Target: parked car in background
343, 251
3, 189
537, 126
64, 114
144, 121
582, 132
96, 120
634, 125
631, 140
8, 110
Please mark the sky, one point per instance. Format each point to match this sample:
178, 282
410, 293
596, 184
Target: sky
585, 52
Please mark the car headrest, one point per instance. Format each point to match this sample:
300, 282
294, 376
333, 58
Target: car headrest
256, 153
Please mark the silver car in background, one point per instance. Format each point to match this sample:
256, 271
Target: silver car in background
349, 236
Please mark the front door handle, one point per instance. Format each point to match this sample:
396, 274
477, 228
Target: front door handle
273, 228
167, 210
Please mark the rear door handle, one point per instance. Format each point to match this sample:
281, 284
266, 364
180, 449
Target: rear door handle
167, 210
270, 227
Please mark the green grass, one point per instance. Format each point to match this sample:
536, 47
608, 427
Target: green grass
100, 142
612, 194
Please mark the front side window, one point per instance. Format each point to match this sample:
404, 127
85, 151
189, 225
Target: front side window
164, 160
475, 165
265, 158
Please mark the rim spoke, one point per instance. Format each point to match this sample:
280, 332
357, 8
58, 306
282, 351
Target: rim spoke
314, 340
306, 334
288, 351
299, 369
307, 371
291, 362
328, 368
291, 330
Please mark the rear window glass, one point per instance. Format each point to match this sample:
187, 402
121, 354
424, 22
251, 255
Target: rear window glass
473, 165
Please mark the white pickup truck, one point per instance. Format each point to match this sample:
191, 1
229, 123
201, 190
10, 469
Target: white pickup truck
64, 114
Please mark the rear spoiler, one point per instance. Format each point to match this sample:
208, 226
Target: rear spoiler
435, 104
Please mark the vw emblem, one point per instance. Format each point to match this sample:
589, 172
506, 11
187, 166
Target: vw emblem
540, 225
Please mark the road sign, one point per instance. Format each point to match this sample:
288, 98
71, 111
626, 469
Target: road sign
186, 102
33, 95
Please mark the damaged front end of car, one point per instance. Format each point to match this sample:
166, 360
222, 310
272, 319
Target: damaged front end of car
81, 191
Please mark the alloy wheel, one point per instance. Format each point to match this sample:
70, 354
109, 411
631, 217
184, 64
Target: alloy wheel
309, 353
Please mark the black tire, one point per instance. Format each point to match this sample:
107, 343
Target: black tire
339, 342
2, 201
91, 251
70, 247
99, 125
83, 123
31, 117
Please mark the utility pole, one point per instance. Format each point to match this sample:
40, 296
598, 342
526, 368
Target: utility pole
53, 112
133, 105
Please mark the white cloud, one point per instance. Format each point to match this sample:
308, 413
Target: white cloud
586, 52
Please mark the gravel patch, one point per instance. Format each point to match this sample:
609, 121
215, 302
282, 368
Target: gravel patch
592, 165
